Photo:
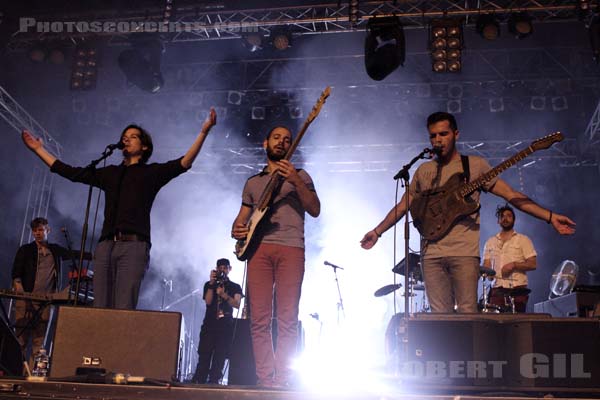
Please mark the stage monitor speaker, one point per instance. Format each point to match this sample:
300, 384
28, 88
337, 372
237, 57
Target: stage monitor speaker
139, 343
452, 349
242, 370
558, 352
11, 359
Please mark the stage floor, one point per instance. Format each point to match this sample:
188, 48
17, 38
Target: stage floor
55, 390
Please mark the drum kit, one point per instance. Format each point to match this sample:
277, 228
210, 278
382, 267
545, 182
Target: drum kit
415, 282
486, 274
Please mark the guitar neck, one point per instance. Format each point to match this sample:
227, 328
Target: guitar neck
472, 186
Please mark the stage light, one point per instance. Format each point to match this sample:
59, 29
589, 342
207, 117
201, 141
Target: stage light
295, 112
488, 27
384, 47
281, 38
253, 42
454, 106
445, 44
37, 54
84, 70
559, 103
234, 97
258, 113
141, 64
57, 56
353, 12
538, 103
520, 25
496, 104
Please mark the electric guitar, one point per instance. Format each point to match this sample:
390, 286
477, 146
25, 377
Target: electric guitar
245, 248
435, 211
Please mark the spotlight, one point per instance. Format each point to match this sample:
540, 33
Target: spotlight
538, 103
37, 54
454, 106
445, 44
258, 113
253, 42
234, 97
520, 25
488, 27
84, 70
281, 38
57, 56
295, 112
384, 47
559, 103
353, 12
496, 104
141, 64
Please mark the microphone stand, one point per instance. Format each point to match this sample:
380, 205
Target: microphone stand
340, 304
91, 167
74, 269
404, 174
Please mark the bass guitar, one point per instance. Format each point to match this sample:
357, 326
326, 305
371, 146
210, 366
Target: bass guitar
435, 211
245, 247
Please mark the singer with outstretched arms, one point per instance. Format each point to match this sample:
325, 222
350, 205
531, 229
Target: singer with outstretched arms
123, 252
451, 263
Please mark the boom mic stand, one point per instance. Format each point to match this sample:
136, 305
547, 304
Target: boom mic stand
405, 176
92, 168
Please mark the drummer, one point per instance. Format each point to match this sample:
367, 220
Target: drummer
511, 255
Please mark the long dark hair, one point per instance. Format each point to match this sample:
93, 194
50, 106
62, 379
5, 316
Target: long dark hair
145, 138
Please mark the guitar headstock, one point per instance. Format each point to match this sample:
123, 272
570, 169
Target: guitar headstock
317, 108
547, 141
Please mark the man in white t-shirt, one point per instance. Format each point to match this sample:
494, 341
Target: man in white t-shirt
511, 255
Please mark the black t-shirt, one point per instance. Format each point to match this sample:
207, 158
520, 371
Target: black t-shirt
129, 191
231, 288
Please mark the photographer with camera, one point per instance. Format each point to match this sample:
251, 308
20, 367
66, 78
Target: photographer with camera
220, 295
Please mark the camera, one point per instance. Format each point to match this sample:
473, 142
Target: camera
221, 278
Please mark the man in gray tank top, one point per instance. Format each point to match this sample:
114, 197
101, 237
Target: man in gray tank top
277, 264
451, 264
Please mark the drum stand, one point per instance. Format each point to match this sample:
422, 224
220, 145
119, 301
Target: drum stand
486, 289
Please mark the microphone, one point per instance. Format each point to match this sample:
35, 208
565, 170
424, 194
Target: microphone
437, 150
119, 145
332, 265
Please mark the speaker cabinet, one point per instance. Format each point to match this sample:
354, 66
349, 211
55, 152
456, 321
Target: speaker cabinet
451, 349
139, 343
11, 359
501, 350
559, 352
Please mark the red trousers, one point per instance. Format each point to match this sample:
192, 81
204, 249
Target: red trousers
274, 271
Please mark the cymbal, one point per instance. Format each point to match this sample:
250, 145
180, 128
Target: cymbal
414, 265
486, 271
518, 291
387, 289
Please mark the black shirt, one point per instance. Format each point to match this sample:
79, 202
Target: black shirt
129, 192
231, 288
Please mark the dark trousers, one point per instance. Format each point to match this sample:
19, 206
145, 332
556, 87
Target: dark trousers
213, 350
119, 268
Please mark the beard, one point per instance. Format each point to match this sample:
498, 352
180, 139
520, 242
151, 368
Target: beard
273, 156
507, 227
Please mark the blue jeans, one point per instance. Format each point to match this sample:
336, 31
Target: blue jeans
450, 281
119, 268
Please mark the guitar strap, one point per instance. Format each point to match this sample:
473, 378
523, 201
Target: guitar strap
466, 170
